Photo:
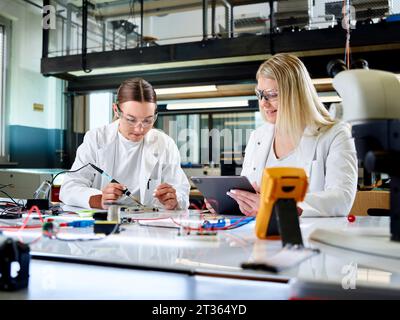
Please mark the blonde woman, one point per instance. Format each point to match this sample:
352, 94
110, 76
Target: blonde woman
299, 132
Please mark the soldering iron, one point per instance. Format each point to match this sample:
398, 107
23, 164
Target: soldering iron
125, 191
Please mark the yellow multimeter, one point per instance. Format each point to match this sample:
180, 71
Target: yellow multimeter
281, 189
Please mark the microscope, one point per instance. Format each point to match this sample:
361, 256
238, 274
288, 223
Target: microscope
371, 104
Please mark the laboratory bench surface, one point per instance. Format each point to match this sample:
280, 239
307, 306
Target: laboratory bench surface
155, 259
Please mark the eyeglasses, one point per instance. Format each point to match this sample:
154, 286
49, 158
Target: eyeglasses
270, 96
133, 122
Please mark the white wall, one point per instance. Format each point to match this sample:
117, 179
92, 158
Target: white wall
184, 25
100, 109
27, 86
396, 6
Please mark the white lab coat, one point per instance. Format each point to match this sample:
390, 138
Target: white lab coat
160, 163
329, 160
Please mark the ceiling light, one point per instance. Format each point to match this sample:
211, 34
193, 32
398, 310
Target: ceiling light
162, 91
169, 65
322, 81
330, 99
208, 105
239, 123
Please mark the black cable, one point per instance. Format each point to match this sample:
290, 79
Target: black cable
2, 186
114, 264
7, 214
11, 198
61, 172
67, 171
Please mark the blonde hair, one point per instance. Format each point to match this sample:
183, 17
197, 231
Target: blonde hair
299, 105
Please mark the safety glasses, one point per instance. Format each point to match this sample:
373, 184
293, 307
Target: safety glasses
270, 96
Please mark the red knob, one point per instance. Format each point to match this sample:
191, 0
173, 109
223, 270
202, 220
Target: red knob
351, 218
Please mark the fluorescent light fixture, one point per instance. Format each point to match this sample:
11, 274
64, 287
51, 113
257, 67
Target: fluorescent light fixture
320, 81
240, 123
186, 89
330, 99
242, 115
208, 105
168, 65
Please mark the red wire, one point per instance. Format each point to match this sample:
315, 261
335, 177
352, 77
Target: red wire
8, 204
25, 222
18, 228
186, 227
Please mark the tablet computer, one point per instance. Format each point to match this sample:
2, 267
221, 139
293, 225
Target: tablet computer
214, 189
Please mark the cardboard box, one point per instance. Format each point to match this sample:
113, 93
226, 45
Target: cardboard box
370, 199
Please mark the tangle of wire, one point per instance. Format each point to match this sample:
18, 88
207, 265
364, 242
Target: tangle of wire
240, 222
11, 198
234, 225
51, 185
19, 208
25, 225
13, 204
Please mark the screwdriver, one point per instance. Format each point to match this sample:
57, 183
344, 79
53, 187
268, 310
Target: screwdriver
125, 191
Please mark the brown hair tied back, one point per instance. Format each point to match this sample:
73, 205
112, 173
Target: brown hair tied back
136, 89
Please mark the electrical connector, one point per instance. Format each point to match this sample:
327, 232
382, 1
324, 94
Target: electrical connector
81, 223
76, 224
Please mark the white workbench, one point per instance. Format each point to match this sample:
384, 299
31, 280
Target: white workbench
160, 264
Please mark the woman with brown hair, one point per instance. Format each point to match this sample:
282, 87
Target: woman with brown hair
140, 158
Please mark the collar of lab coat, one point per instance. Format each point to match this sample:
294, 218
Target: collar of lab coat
308, 145
150, 156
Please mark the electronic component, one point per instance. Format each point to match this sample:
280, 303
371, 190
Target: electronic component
187, 234
42, 204
13, 251
106, 227
50, 229
139, 209
111, 225
100, 215
226, 223
281, 189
